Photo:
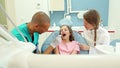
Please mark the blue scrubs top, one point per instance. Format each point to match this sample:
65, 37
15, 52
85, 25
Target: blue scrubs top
24, 29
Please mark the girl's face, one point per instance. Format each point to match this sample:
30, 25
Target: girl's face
65, 33
87, 25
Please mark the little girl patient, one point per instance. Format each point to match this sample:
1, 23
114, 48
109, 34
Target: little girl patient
67, 44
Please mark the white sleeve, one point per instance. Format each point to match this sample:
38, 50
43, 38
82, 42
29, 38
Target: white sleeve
56, 41
92, 50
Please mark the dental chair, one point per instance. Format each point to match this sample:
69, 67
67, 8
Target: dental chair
113, 43
47, 42
16, 54
53, 35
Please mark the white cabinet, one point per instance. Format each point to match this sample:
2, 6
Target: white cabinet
56, 5
25, 9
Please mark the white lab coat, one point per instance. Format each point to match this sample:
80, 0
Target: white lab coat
103, 38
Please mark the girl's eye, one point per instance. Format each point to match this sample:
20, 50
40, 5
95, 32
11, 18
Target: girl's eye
66, 30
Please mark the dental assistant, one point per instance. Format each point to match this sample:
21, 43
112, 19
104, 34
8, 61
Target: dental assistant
94, 34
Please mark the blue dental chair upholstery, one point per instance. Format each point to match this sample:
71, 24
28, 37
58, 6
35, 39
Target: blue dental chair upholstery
113, 43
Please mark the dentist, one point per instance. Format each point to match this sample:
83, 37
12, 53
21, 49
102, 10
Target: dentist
39, 24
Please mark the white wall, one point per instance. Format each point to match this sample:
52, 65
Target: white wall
22, 10
10, 9
114, 17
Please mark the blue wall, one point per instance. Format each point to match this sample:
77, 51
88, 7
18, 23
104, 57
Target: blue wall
56, 16
100, 5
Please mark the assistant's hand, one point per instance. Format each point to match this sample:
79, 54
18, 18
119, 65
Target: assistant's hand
84, 47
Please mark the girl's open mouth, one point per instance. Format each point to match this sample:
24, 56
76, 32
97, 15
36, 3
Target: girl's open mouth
64, 35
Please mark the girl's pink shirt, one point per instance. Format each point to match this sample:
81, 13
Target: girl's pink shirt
68, 48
